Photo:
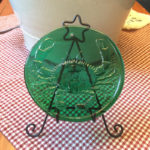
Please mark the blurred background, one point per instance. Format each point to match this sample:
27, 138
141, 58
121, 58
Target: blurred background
6, 9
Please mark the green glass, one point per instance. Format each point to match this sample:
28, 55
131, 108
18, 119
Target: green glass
91, 78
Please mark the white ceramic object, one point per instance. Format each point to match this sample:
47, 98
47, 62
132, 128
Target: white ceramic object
39, 17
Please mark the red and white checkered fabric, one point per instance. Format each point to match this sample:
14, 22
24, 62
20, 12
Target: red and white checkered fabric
17, 109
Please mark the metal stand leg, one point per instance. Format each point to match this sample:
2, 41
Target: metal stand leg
115, 128
34, 127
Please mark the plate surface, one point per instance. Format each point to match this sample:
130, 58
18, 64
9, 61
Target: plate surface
77, 80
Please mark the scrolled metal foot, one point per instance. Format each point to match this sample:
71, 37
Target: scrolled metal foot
33, 126
118, 134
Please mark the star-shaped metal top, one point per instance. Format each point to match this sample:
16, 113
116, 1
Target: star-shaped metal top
68, 24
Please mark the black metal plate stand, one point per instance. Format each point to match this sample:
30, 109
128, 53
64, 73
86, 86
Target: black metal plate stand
93, 116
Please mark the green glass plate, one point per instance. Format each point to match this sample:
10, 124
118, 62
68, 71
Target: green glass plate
77, 80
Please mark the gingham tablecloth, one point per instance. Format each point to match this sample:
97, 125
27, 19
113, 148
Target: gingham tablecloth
17, 109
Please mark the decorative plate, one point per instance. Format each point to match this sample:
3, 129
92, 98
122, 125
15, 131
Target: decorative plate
74, 73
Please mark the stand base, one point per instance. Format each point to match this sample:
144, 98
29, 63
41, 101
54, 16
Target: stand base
118, 133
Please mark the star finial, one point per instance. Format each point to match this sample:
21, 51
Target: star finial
68, 24
77, 17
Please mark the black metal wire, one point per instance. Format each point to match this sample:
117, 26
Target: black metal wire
90, 79
73, 38
80, 21
57, 115
118, 134
60, 75
33, 126
93, 115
